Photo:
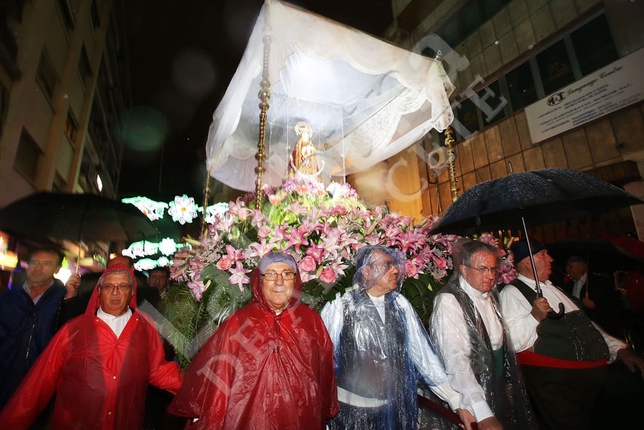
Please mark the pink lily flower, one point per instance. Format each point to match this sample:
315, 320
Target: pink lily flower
239, 276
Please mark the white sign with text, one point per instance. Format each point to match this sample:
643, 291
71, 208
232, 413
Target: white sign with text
608, 89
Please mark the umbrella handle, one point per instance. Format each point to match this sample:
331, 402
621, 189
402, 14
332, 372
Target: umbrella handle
557, 315
552, 315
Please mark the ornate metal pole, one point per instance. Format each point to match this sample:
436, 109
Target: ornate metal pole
264, 95
451, 158
451, 153
206, 197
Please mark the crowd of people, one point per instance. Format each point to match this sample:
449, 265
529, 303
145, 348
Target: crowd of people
528, 355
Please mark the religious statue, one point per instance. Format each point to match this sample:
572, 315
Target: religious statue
303, 162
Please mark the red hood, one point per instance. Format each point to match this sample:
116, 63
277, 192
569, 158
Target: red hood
258, 296
94, 302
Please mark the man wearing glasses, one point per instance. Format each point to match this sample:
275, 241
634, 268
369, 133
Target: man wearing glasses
99, 365
268, 366
468, 330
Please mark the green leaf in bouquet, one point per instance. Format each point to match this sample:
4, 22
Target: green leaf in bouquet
222, 298
181, 311
420, 294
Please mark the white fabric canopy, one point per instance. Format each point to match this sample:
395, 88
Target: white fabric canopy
364, 99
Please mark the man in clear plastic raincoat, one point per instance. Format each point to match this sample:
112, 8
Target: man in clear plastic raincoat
380, 348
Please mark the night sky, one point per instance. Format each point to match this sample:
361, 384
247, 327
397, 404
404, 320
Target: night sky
182, 55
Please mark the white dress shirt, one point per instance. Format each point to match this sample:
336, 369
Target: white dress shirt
579, 284
421, 353
454, 343
523, 327
117, 324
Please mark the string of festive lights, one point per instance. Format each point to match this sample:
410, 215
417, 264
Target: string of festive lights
182, 209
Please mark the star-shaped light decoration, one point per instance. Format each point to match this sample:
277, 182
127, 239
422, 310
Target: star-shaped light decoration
183, 209
163, 261
214, 210
145, 264
167, 246
137, 249
153, 210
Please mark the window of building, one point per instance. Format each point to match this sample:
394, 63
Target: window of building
84, 66
66, 13
492, 103
554, 67
71, 126
469, 19
27, 156
591, 47
47, 77
468, 119
594, 45
95, 16
521, 87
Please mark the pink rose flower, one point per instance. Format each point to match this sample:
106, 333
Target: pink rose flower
224, 263
328, 275
410, 269
307, 264
441, 263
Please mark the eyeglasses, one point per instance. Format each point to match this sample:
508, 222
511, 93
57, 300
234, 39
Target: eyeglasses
118, 288
272, 276
494, 271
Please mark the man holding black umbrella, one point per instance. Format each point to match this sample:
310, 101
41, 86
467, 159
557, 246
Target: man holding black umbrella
563, 358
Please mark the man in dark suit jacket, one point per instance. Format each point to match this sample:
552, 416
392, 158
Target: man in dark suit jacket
597, 294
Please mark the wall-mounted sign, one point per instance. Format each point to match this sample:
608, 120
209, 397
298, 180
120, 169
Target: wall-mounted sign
604, 91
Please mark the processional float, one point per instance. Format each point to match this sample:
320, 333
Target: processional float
351, 99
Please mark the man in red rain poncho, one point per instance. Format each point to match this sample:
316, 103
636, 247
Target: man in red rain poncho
99, 365
268, 366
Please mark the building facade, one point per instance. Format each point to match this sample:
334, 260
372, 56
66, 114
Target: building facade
63, 89
506, 56
64, 86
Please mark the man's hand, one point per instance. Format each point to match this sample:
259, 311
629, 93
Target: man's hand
634, 362
588, 303
72, 285
467, 418
490, 423
540, 309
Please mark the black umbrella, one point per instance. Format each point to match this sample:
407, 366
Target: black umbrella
77, 217
531, 198
601, 255
538, 197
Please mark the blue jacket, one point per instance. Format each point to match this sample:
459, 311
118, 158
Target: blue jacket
25, 331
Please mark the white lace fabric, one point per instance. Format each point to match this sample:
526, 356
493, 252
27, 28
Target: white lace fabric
365, 99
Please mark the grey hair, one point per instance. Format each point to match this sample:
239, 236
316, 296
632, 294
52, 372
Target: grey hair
465, 249
101, 280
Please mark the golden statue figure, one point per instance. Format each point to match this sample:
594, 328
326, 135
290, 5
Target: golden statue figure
303, 162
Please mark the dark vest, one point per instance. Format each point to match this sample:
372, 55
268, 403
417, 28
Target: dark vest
572, 337
496, 371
